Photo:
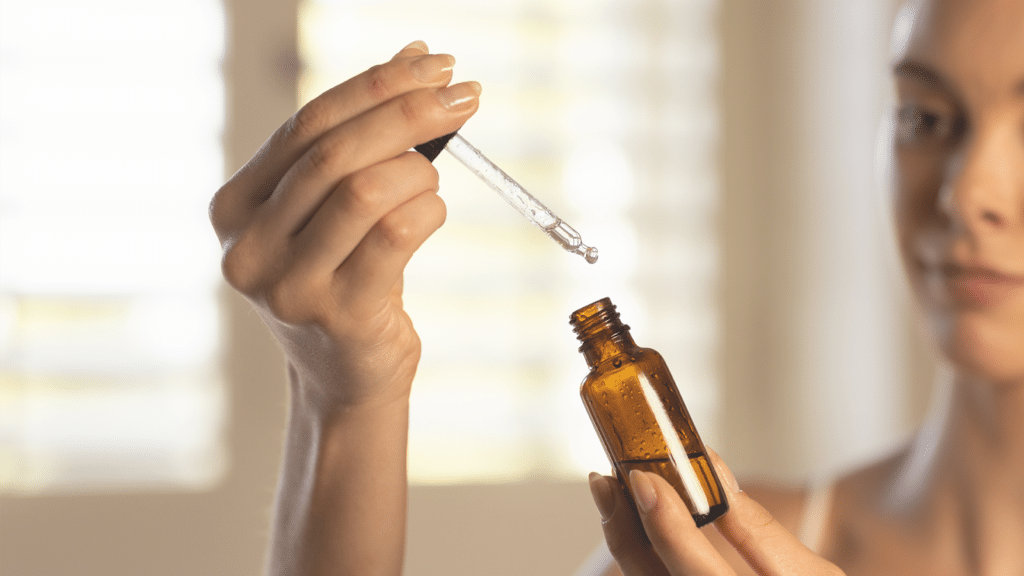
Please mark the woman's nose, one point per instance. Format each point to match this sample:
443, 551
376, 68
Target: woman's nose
984, 184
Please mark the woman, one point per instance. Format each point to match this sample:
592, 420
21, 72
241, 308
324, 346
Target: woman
952, 502
318, 227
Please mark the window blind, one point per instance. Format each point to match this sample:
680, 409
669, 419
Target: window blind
604, 111
110, 120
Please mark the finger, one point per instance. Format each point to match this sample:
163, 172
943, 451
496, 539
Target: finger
411, 69
377, 135
355, 206
761, 540
367, 278
622, 529
682, 547
414, 47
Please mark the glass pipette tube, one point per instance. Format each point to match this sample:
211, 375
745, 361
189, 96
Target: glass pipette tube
559, 231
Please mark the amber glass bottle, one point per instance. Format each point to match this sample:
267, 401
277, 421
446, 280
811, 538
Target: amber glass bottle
638, 413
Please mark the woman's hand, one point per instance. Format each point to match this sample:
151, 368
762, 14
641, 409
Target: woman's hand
318, 227
659, 537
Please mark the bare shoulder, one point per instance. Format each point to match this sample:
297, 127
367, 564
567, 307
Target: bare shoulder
786, 504
845, 514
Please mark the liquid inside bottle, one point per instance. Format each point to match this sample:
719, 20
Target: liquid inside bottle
639, 415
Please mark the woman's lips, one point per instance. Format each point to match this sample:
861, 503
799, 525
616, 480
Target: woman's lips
980, 286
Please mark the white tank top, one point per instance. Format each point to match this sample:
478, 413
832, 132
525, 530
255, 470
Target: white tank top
814, 520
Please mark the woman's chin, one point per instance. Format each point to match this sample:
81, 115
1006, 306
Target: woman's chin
984, 346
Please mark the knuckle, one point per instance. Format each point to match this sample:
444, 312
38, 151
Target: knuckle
220, 216
235, 203
397, 233
362, 193
239, 267
310, 121
379, 81
278, 303
288, 295
410, 110
327, 154
286, 301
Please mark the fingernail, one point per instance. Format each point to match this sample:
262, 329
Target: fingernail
643, 491
459, 95
724, 474
418, 45
431, 68
604, 498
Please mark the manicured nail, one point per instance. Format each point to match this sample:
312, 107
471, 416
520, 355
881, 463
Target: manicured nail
459, 95
643, 491
418, 45
431, 68
604, 498
724, 474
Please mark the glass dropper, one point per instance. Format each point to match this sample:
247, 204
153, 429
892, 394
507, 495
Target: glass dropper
559, 231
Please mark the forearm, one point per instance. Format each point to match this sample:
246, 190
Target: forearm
317, 229
341, 503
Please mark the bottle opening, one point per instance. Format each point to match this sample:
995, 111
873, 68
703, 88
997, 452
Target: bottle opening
596, 318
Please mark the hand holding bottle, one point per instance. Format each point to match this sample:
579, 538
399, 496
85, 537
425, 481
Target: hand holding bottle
319, 225
675, 546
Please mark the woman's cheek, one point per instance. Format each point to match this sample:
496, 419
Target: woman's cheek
909, 205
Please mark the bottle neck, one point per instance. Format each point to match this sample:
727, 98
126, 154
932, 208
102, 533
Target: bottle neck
600, 331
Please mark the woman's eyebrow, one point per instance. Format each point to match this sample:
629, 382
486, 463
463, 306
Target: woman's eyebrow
921, 73
925, 75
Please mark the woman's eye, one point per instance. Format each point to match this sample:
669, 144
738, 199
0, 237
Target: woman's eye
917, 125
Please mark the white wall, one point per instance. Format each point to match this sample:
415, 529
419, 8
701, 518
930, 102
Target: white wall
820, 366
813, 338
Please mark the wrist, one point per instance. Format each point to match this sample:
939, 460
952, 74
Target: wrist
310, 404
344, 474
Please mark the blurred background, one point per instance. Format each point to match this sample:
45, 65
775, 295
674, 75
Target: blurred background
719, 153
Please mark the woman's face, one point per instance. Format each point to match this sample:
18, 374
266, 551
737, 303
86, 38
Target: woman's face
959, 178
